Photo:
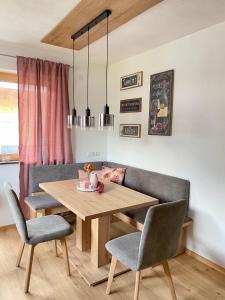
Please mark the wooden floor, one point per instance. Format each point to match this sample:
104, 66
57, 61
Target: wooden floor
192, 279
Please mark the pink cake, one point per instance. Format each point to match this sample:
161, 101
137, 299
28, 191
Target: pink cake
85, 184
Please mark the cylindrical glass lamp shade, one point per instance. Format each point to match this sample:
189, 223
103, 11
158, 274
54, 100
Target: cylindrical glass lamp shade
106, 120
73, 119
78, 121
87, 121
69, 121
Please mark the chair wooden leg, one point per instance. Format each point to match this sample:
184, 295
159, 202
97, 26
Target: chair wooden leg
20, 253
169, 279
111, 274
137, 284
29, 267
65, 255
56, 249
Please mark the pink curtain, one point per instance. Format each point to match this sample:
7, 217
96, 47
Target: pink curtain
43, 108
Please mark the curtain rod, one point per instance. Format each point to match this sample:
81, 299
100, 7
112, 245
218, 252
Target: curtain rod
2, 54
13, 56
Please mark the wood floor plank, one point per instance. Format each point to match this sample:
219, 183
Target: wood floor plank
192, 279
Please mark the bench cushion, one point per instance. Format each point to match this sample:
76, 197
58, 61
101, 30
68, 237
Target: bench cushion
41, 202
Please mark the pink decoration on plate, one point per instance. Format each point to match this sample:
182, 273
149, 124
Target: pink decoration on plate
85, 184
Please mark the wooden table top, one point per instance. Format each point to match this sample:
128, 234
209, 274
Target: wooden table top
90, 205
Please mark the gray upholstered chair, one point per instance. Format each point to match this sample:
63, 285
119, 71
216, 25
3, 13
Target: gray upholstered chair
36, 231
153, 246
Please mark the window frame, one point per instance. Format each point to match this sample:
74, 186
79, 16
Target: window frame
14, 157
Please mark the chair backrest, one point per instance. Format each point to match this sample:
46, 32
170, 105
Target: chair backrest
16, 211
160, 236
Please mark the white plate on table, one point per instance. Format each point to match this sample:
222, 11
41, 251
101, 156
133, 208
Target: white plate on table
86, 190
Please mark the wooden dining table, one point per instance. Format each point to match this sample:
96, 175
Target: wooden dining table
94, 213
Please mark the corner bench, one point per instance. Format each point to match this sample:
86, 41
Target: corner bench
163, 187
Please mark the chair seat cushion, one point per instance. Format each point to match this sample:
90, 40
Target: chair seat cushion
126, 249
47, 228
41, 202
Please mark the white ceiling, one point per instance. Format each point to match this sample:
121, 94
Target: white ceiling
26, 21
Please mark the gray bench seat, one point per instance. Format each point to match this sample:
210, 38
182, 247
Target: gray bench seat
41, 201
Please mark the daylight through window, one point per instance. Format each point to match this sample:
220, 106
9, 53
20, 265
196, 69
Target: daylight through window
8, 120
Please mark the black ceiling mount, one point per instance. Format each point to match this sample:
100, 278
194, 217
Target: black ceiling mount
91, 24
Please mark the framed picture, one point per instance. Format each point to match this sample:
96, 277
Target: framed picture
131, 81
130, 105
130, 130
161, 103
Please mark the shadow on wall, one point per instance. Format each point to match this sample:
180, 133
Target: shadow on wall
197, 242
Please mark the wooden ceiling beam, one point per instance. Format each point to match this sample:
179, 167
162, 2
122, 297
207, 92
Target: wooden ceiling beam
87, 10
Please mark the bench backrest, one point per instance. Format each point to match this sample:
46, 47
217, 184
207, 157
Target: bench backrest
50, 173
163, 187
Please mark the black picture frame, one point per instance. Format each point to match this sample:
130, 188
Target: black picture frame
131, 81
130, 130
131, 105
161, 103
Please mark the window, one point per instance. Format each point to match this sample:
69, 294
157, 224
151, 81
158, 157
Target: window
9, 138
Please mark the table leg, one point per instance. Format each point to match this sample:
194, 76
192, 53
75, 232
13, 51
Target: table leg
83, 234
100, 234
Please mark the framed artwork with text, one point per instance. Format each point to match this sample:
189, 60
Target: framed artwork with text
130, 130
130, 105
131, 81
161, 103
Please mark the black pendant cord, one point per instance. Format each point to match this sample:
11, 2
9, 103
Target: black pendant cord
107, 61
73, 78
88, 73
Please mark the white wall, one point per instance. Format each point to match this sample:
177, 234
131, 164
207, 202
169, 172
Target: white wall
89, 145
195, 151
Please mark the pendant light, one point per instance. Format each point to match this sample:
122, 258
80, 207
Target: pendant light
73, 119
87, 121
106, 120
